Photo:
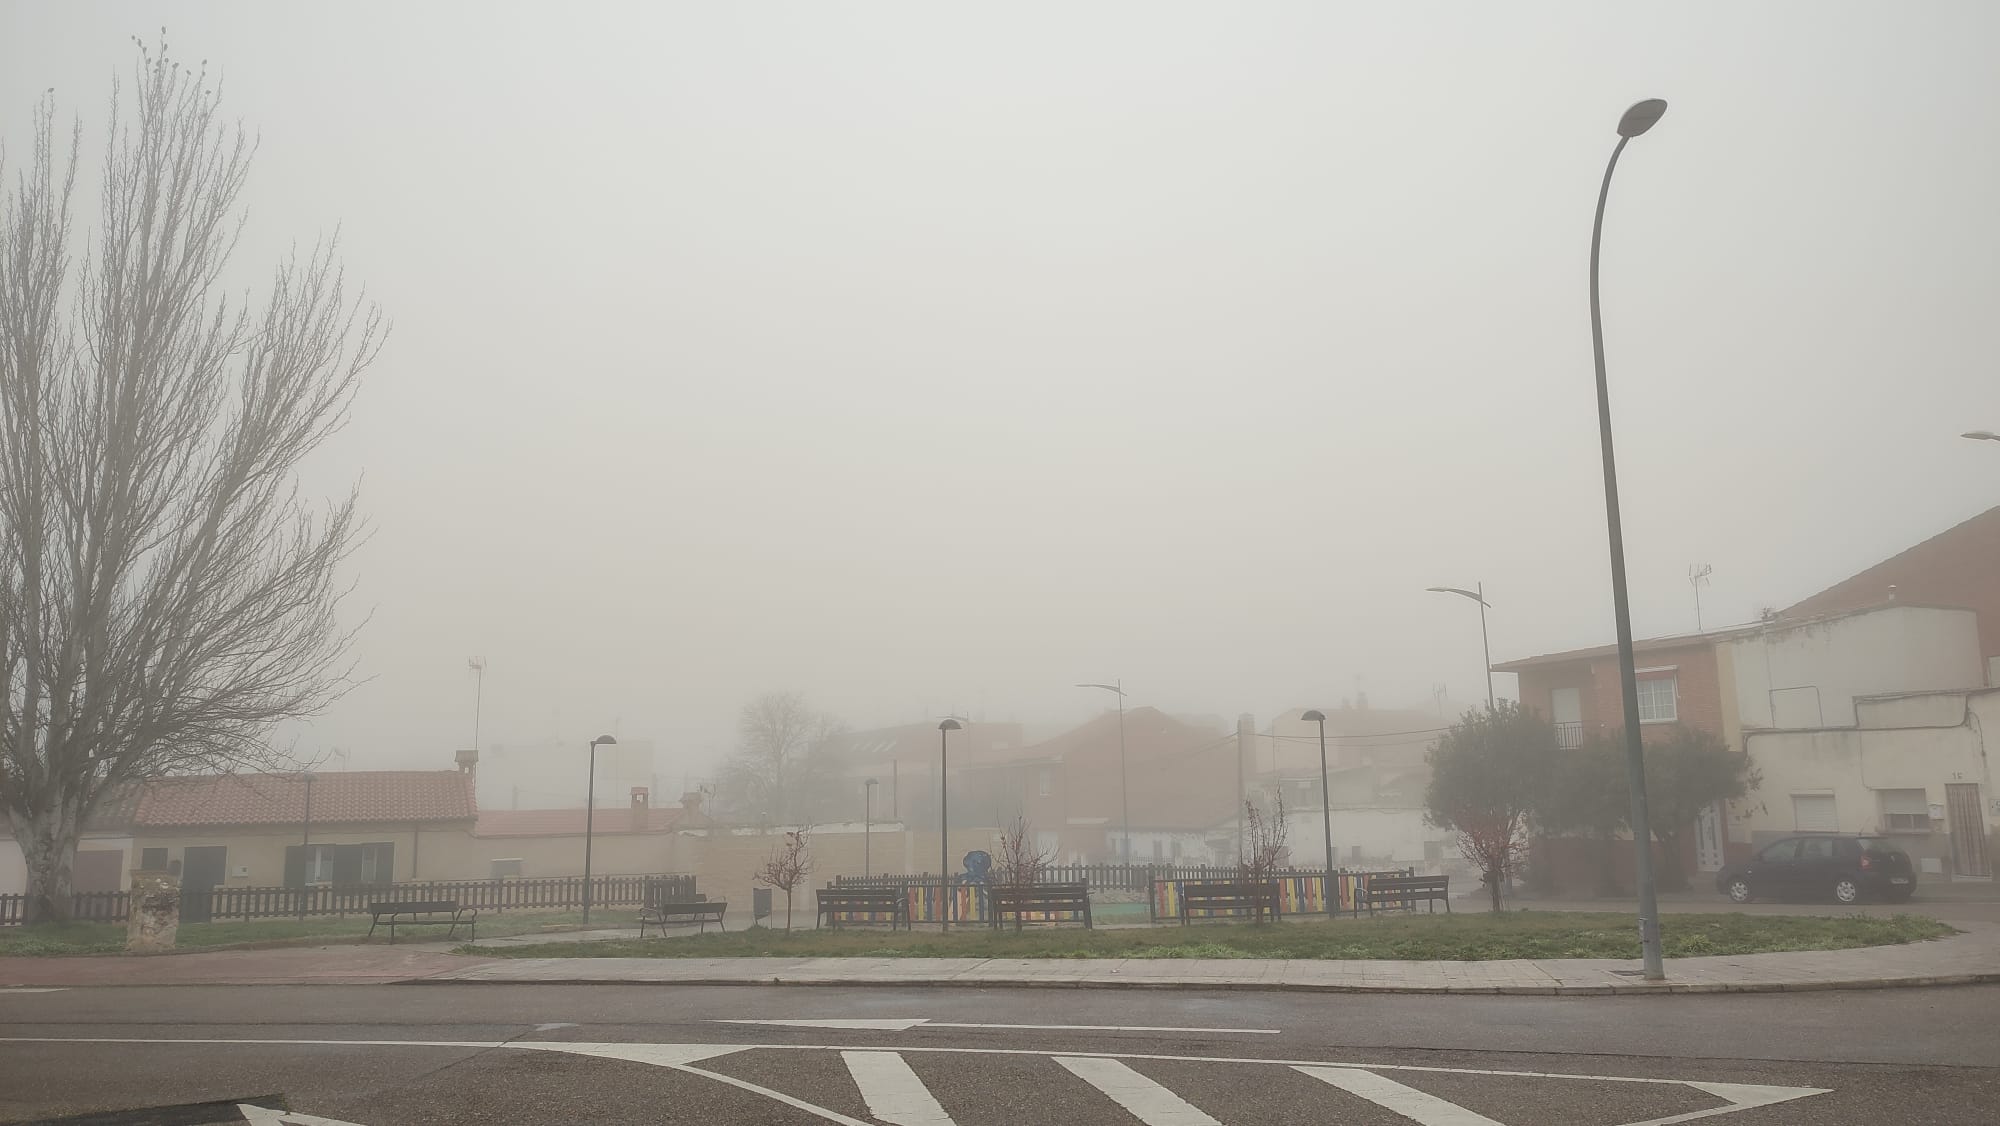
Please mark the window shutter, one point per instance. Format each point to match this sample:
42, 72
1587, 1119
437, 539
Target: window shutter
385, 862
346, 865
1814, 813
1912, 802
295, 866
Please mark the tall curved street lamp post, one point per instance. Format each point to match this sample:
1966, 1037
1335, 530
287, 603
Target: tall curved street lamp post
867, 827
1477, 594
1635, 122
1117, 688
1981, 435
945, 728
1325, 808
590, 816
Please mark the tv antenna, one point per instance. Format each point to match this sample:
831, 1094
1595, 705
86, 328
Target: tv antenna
1698, 578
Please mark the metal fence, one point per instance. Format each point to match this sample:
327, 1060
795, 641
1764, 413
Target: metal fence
1105, 877
320, 901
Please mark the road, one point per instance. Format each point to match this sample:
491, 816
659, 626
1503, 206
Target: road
380, 1055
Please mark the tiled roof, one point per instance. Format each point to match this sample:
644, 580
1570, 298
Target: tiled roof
569, 822
1641, 645
338, 797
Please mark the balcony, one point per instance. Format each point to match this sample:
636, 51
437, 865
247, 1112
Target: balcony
1569, 736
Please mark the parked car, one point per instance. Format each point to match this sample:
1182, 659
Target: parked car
1822, 864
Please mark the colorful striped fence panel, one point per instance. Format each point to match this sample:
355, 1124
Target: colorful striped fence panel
1297, 894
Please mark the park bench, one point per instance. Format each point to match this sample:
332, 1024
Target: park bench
1022, 900
423, 913
1229, 897
1405, 892
836, 902
700, 911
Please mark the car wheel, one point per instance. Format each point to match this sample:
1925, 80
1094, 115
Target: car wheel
1846, 890
1739, 890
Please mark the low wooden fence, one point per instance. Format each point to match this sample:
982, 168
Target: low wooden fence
553, 893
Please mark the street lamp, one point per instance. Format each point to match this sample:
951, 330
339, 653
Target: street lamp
1981, 435
867, 826
1325, 810
1477, 594
305, 841
945, 728
590, 817
1117, 688
1636, 121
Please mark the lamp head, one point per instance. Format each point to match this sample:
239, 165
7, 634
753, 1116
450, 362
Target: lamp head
1641, 117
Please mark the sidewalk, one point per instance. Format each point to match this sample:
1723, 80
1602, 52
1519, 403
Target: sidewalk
1972, 957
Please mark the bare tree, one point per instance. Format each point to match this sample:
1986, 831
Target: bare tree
786, 868
1020, 863
1267, 845
166, 597
781, 768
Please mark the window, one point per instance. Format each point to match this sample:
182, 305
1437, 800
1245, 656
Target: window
1043, 780
319, 864
508, 869
153, 859
1905, 811
377, 860
1814, 813
1657, 699
1158, 850
1783, 850
1816, 848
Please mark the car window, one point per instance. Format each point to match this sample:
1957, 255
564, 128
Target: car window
1783, 850
1816, 848
1847, 850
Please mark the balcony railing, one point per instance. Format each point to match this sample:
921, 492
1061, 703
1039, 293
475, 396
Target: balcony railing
1569, 736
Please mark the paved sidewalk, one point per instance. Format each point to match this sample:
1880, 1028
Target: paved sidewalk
1967, 958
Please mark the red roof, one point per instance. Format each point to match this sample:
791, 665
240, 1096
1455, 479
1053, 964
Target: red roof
569, 822
1954, 568
338, 797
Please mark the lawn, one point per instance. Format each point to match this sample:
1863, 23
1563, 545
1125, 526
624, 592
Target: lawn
109, 938
1460, 937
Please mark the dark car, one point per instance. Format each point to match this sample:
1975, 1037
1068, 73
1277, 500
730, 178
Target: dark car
1846, 868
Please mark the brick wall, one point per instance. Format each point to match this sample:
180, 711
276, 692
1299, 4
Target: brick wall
1601, 697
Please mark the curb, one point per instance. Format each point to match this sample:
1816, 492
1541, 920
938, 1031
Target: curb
1607, 989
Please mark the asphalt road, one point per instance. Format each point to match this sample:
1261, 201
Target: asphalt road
608, 1054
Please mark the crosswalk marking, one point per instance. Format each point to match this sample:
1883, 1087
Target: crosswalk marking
1148, 1101
892, 1091
1417, 1106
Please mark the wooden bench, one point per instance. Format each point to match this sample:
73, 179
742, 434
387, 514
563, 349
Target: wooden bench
1022, 900
1402, 892
423, 913
835, 902
700, 911
1230, 897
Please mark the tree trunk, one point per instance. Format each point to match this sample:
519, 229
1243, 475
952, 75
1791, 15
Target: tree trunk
48, 845
1493, 878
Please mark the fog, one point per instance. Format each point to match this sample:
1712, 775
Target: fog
935, 359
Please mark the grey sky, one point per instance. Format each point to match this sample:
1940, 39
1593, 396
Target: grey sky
927, 357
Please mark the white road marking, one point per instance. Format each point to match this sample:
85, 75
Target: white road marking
255, 1114
1147, 1101
892, 1091
905, 1024
551, 1026
1420, 1107
25, 989
1741, 1096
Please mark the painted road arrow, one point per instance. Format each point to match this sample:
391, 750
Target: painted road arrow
904, 1024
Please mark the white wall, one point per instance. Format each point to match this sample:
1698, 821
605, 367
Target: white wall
1385, 836
1807, 676
13, 867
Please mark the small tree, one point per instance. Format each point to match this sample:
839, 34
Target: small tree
1686, 771
1267, 844
1489, 773
1020, 863
787, 868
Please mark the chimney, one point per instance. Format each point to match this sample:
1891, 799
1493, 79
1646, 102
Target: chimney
642, 804
468, 761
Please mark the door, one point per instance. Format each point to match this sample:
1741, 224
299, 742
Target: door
1708, 838
1771, 873
202, 868
1566, 712
1819, 865
1968, 830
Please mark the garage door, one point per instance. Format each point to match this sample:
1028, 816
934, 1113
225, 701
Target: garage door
1813, 813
